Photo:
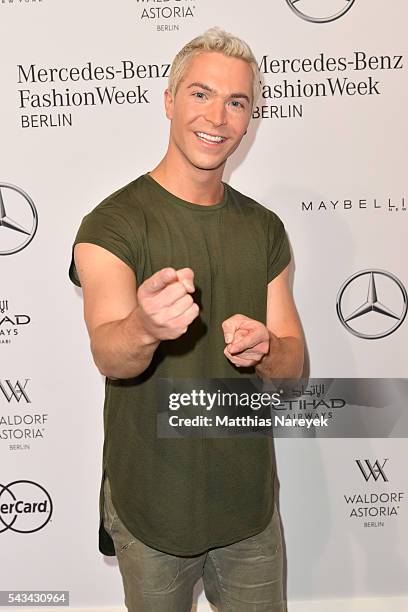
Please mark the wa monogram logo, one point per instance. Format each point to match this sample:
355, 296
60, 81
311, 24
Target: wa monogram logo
372, 470
14, 391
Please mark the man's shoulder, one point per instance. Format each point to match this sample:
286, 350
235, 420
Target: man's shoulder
247, 203
127, 196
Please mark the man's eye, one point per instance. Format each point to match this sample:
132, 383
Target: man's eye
236, 104
199, 94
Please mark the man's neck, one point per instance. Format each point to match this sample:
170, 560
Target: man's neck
188, 183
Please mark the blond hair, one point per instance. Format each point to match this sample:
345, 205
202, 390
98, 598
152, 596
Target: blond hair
216, 40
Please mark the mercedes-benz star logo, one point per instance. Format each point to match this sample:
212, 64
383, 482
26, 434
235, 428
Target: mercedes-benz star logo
320, 11
372, 318
16, 235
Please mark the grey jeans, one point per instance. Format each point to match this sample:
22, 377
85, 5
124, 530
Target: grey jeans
242, 577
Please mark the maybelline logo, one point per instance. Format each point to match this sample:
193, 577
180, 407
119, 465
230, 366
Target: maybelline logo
10, 323
320, 11
372, 304
25, 506
377, 505
335, 205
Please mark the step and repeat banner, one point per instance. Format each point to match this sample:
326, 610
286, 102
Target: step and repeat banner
82, 115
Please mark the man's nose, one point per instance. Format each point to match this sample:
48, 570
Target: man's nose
216, 113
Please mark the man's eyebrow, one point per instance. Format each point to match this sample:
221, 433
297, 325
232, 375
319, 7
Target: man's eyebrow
240, 95
202, 86
208, 88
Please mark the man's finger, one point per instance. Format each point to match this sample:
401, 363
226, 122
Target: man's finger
170, 294
186, 276
254, 337
180, 306
241, 361
229, 331
229, 327
160, 280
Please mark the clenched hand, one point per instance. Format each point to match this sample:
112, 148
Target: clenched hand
166, 307
247, 340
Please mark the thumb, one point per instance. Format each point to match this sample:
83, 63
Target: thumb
186, 276
229, 327
159, 280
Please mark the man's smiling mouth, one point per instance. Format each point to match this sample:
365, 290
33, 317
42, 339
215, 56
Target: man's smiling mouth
211, 139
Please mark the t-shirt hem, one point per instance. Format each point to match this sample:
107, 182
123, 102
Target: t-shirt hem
188, 552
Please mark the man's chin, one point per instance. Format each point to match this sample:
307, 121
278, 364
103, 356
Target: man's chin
210, 166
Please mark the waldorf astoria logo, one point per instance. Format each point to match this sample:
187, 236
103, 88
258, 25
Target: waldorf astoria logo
21, 423
320, 11
372, 470
14, 391
379, 504
167, 15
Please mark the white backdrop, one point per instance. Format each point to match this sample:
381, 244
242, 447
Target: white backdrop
328, 156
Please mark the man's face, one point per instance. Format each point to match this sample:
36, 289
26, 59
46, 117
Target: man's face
211, 110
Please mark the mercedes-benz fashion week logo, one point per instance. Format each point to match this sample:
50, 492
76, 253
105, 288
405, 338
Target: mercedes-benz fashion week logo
25, 506
320, 11
372, 304
18, 219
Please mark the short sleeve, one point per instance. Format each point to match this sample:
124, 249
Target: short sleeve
278, 247
107, 228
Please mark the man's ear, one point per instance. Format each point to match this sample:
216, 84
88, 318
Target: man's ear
168, 104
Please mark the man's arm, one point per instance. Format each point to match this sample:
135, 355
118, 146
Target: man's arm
277, 349
126, 323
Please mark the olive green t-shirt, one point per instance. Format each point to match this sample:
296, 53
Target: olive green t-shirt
184, 496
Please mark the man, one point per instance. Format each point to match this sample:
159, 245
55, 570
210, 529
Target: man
184, 277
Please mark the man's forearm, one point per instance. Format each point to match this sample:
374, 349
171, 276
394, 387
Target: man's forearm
284, 359
122, 349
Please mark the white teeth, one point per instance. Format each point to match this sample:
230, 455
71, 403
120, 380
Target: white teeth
209, 138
